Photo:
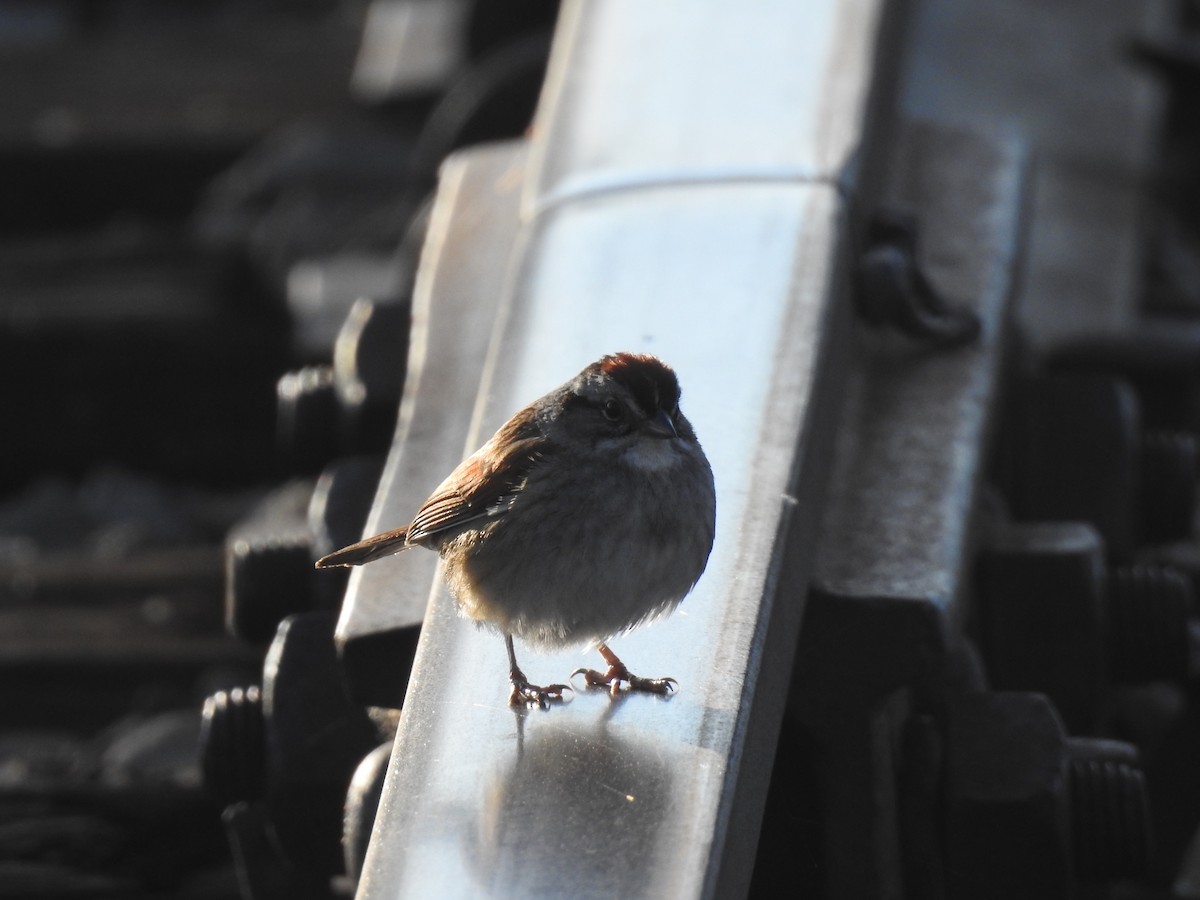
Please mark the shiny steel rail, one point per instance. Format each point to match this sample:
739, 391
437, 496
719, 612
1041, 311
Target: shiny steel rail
673, 205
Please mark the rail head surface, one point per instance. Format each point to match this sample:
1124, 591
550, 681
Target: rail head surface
679, 92
738, 283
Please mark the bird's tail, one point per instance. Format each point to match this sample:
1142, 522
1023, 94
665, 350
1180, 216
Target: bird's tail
368, 550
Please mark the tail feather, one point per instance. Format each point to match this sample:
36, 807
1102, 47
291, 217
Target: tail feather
369, 550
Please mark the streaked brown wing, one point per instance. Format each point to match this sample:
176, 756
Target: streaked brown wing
484, 484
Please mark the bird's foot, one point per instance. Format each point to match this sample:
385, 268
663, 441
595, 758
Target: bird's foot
612, 679
526, 694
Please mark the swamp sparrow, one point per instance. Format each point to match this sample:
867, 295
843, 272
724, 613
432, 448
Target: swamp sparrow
590, 511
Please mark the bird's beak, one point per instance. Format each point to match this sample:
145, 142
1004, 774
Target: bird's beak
661, 425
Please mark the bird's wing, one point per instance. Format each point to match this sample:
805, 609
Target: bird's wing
485, 484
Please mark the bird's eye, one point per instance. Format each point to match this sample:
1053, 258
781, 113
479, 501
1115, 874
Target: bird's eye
612, 411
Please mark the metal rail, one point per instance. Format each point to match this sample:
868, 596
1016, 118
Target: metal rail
704, 224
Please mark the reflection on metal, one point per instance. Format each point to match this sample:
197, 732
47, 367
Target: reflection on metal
705, 226
676, 92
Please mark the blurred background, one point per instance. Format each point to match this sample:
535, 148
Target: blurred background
211, 215
193, 195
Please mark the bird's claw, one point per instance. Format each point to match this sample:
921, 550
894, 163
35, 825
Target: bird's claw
526, 694
664, 686
611, 680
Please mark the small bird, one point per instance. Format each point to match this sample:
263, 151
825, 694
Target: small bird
589, 512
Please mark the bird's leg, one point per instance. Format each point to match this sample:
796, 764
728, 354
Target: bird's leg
617, 673
524, 693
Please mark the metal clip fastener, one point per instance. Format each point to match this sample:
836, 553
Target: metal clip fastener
893, 289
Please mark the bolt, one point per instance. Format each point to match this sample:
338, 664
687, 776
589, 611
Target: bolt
369, 360
268, 564
1110, 819
1055, 618
1005, 798
309, 417
362, 803
1148, 621
316, 735
232, 749
1159, 357
1041, 615
1167, 496
1072, 450
1017, 787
